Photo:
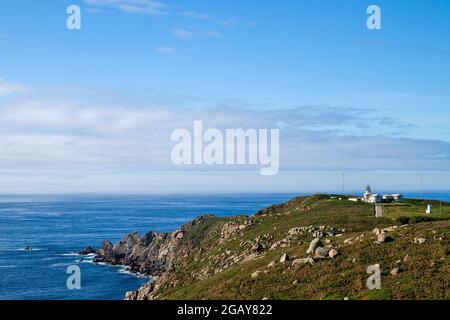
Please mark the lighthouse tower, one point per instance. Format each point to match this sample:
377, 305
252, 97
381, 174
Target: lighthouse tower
367, 194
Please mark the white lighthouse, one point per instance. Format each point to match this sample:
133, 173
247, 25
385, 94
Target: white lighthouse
367, 193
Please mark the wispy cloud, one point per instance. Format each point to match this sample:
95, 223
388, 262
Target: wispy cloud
228, 22
251, 24
182, 34
151, 7
43, 132
212, 34
195, 15
165, 50
8, 87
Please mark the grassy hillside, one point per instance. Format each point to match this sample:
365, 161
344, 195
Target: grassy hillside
239, 257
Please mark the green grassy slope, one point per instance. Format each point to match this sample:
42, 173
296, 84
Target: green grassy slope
221, 267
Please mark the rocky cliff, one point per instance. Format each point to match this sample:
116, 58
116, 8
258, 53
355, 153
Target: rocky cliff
152, 254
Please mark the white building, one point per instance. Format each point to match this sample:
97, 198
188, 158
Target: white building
393, 197
376, 198
367, 194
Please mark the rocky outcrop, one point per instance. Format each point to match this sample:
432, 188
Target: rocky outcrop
153, 254
314, 245
86, 251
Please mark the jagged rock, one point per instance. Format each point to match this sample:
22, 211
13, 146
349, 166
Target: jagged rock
381, 237
258, 247
376, 231
295, 231
179, 235
389, 229
321, 252
303, 261
255, 274
250, 257
153, 254
228, 229
332, 253
284, 258
86, 251
349, 240
317, 234
271, 264
314, 245
131, 295
395, 271
274, 246
420, 240
105, 252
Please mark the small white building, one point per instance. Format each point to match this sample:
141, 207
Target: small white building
375, 198
429, 209
396, 197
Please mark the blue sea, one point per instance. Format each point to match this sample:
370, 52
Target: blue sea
57, 226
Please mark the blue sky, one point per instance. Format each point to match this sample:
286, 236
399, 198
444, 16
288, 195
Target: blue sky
340, 89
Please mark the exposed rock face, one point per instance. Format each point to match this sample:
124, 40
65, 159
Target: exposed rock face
153, 254
86, 251
420, 240
303, 261
381, 237
395, 271
314, 245
284, 258
271, 264
332, 253
321, 253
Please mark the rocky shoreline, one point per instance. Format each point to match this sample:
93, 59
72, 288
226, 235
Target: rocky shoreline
154, 254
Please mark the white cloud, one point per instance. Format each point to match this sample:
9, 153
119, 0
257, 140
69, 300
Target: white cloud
165, 50
182, 34
151, 7
43, 133
67, 132
195, 15
228, 22
213, 34
8, 87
